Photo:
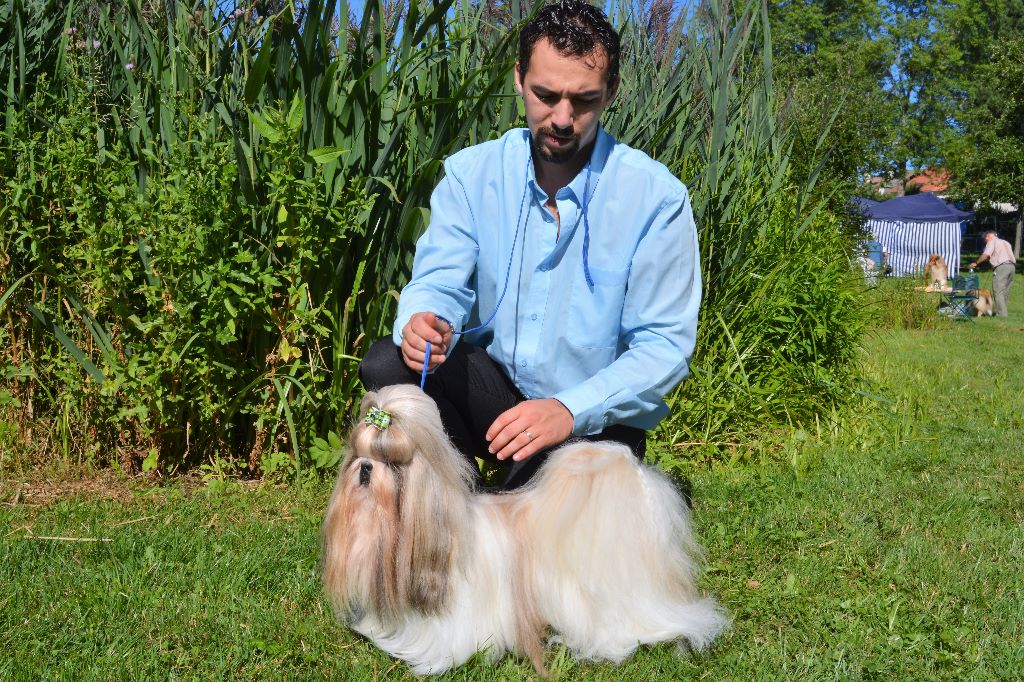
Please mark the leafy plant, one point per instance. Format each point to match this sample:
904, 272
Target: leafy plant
896, 304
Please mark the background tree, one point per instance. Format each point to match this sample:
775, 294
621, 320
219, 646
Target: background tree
830, 62
918, 82
987, 161
894, 77
983, 140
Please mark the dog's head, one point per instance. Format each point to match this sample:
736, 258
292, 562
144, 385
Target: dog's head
398, 519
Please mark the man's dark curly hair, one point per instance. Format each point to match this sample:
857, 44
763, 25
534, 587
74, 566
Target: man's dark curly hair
575, 28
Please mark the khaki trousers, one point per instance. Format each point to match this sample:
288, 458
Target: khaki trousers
1002, 278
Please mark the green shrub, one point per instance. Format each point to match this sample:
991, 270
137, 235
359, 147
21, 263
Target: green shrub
778, 346
211, 213
196, 333
896, 304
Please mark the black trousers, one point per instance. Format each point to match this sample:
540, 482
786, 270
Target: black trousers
471, 391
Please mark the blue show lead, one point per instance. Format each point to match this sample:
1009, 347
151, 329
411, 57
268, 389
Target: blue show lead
508, 270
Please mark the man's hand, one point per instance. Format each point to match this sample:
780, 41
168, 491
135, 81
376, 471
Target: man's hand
530, 426
423, 327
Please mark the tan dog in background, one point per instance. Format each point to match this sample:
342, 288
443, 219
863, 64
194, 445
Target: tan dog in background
983, 306
936, 272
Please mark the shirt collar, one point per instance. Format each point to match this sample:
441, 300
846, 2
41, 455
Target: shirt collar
603, 143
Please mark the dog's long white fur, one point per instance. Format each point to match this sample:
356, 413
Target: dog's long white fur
598, 548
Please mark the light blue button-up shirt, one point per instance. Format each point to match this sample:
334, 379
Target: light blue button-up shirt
610, 351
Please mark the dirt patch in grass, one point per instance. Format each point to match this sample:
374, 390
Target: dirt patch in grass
40, 488
40, 491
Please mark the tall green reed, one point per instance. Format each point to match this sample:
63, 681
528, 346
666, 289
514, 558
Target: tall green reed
781, 319
329, 138
293, 155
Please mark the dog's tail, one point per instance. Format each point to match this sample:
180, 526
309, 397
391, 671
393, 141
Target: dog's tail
616, 560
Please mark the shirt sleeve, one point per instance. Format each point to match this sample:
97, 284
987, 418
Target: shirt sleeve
659, 327
990, 248
446, 256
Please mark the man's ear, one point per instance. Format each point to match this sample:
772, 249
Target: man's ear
519, 81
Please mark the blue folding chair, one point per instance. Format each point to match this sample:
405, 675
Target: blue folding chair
959, 303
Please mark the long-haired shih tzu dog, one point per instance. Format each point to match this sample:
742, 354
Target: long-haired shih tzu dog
597, 547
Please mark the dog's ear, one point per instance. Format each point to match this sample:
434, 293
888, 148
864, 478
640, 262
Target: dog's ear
359, 539
435, 489
432, 541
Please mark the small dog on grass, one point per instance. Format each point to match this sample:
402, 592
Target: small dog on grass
983, 304
936, 272
597, 548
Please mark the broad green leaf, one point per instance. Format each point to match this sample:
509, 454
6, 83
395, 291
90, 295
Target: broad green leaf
264, 127
258, 76
322, 155
295, 113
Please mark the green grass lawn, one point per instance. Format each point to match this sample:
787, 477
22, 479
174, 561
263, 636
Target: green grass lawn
889, 548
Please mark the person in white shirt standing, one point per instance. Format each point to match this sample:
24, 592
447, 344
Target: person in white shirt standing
1000, 254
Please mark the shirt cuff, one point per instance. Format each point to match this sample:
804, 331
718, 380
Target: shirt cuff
453, 318
586, 407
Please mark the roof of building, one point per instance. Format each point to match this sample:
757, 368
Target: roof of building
931, 180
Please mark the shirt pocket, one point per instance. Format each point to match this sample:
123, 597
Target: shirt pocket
595, 313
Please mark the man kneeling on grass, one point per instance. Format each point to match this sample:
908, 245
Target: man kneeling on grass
567, 263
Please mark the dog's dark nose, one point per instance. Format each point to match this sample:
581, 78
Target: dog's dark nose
364, 473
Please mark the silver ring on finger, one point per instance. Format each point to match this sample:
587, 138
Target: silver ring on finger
529, 436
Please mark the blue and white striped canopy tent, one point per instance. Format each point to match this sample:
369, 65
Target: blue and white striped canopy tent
912, 228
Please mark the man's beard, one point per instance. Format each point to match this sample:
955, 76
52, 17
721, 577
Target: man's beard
561, 155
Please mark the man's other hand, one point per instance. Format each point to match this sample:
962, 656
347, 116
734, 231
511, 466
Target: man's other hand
528, 427
421, 328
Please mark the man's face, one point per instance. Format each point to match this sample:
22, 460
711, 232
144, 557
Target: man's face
564, 97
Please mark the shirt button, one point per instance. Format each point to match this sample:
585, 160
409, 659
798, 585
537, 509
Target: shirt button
533, 317
522, 363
